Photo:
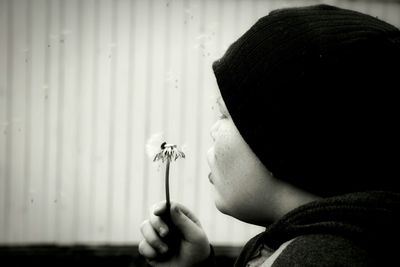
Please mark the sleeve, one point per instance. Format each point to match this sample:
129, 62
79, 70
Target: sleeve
248, 250
323, 251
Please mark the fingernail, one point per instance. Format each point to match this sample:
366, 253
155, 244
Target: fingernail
163, 231
177, 210
163, 248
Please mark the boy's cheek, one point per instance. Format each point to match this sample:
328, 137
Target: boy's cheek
226, 157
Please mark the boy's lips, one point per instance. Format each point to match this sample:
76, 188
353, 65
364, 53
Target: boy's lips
210, 178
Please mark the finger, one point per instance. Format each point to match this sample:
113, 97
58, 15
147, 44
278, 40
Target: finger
152, 237
151, 262
185, 224
188, 213
159, 225
159, 208
147, 250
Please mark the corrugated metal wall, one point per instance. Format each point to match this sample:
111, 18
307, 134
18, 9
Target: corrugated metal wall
84, 84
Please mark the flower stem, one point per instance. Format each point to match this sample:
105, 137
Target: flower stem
167, 186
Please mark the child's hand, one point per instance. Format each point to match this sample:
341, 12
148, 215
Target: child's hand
194, 247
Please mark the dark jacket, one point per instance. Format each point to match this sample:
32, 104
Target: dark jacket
359, 229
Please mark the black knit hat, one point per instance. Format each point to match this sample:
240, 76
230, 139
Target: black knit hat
313, 91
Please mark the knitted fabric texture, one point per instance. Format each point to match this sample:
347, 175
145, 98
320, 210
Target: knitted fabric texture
312, 90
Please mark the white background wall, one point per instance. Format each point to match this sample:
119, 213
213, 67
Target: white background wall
84, 84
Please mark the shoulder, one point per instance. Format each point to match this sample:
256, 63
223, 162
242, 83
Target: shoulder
322, 250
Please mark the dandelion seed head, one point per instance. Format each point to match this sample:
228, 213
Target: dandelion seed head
159, 150
153, 144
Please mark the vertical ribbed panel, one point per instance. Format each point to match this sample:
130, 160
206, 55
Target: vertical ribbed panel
84, 84
4, 114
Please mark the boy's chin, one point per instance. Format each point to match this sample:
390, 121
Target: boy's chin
241, 216
219, 204
225, 209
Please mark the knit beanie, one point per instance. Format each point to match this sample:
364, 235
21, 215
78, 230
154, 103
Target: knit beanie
313, 92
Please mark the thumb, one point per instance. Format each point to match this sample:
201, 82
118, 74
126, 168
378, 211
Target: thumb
185, 221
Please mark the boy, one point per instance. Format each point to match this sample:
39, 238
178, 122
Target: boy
305, 144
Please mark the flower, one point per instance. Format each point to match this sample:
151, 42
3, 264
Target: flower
169, 152
162, 152
166, 153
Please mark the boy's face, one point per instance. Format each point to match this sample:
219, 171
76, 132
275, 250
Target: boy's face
240, 180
